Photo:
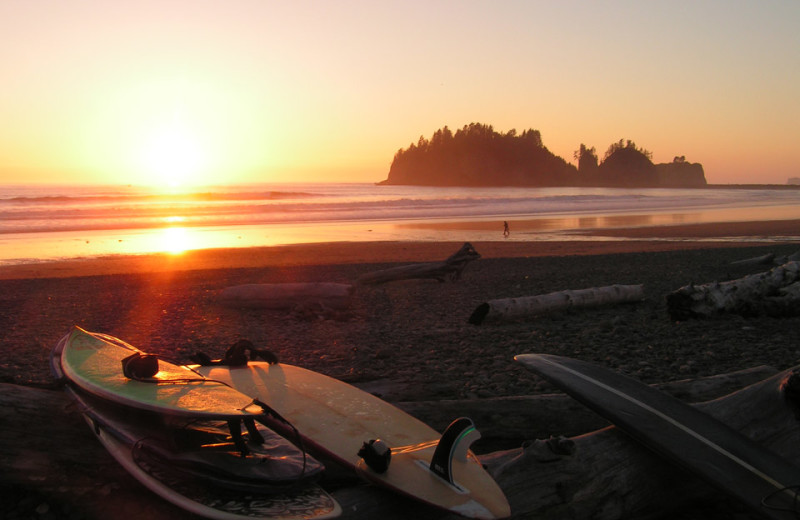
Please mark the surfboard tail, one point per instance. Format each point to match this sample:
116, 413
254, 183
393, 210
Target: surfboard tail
454, 444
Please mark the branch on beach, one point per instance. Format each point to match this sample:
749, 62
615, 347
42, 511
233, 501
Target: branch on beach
288, 296
772, 293
599, 474
448, 270
509, 309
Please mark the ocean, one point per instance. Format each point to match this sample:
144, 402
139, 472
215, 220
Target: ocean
50, 222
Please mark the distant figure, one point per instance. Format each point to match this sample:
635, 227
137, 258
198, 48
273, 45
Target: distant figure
506, 231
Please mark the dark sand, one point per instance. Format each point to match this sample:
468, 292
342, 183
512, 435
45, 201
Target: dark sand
412, 333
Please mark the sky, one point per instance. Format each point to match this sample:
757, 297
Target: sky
196, 91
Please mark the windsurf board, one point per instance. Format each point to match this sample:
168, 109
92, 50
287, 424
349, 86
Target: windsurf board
93, 362
121, 429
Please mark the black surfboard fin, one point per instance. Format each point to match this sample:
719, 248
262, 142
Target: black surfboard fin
454, 444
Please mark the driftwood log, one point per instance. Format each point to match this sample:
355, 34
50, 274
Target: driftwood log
507, 309
288, 295
448, 270
503, 420
767, 293
768, 259
50, 452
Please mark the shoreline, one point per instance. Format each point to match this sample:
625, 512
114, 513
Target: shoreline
591, 242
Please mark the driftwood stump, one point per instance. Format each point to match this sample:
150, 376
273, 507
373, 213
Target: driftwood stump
448, 270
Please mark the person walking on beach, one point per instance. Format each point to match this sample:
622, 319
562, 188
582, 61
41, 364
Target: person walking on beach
506, 231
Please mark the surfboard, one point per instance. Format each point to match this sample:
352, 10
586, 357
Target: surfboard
764, 481
336, 419
443, 473
93, 362
203, 484
211, 501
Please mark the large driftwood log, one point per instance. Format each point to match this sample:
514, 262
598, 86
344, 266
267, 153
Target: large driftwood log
450, 269
751, 295
602, 474
548, 481
528, 306
288, 295
504, 419
768, 259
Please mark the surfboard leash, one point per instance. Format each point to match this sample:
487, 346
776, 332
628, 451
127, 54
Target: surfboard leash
795, 508
298, 439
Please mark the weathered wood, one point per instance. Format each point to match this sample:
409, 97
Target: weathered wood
288, 295
544, 479
448, 270
517, 418
528, 306
751, 295
767, 259
602, 474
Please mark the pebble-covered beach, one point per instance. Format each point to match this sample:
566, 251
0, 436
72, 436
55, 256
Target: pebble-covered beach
410, 340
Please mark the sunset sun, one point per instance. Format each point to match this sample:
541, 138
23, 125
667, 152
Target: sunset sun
173, 155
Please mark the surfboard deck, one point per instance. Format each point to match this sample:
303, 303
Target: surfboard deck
337, 419
93, 362
685, 435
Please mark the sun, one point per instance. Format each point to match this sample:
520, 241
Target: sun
173, 155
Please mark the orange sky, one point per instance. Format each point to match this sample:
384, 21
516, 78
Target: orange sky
251, 90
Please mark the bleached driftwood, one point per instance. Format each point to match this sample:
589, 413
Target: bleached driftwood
751, 295
450, 269
503, 419
528, 306
767, 259
288, 295
603, 474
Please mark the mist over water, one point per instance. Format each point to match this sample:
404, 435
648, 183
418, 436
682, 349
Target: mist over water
50, 222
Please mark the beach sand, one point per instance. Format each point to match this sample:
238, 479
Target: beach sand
413, 333
409, 340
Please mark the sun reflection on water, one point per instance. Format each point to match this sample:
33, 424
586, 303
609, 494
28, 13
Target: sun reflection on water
175, 240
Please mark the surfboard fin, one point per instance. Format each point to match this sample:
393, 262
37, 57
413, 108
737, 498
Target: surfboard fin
454, 444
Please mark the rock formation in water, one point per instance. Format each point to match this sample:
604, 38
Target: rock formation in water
476, 155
